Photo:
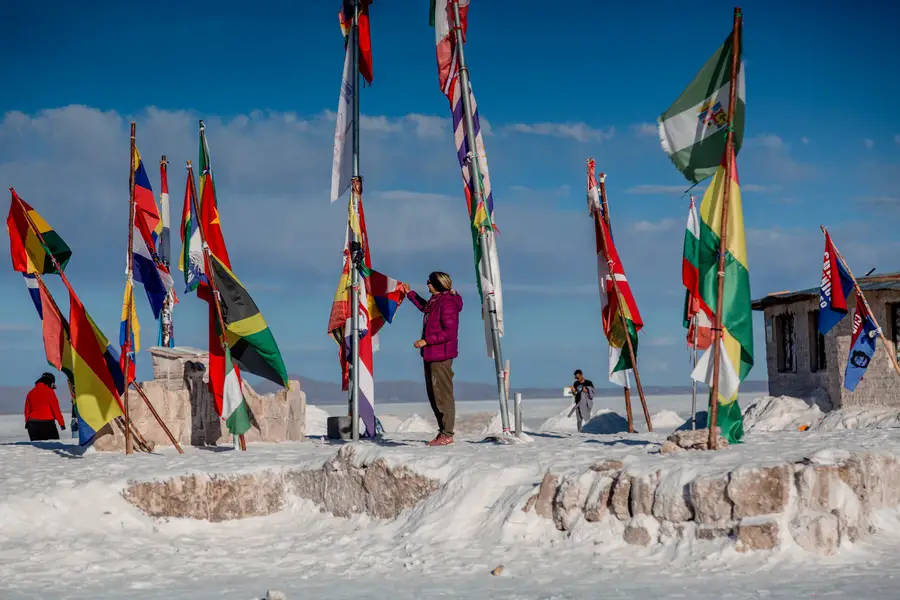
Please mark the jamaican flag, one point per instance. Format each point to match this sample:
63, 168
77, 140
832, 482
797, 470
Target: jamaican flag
252, 344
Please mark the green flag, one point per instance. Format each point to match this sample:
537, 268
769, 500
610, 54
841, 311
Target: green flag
692, 130
252, 344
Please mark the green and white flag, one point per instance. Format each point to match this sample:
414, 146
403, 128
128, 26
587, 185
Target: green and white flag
234, 407
693, 130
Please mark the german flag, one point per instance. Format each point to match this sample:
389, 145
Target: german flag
26, 230
251, 341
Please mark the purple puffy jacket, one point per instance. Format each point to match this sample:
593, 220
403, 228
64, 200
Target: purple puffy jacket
440, 326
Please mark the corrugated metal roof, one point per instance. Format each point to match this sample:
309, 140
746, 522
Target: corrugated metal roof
878, 282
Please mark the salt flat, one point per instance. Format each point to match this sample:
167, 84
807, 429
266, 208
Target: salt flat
67, 532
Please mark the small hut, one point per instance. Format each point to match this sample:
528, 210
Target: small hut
805, 364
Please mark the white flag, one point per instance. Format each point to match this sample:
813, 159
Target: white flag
728, 379
490, 286
342, 167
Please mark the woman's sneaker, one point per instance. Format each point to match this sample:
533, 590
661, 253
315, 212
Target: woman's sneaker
441, 440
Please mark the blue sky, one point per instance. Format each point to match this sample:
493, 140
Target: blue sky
555, 86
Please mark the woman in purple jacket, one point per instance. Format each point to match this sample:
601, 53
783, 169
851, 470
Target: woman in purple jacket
439, 346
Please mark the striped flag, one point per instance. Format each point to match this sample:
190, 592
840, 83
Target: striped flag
146, 266
694, 308
345, 16
609, 266
481, 211
144, 201
165, 246
342, 162
736, 318
129, 331
191, 260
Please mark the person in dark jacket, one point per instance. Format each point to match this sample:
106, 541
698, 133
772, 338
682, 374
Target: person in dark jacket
439, 346
583, 390
42, 409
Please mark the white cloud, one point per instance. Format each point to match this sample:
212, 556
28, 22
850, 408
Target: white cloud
767, 140
656, 226
580, 132
868, 143
897, 139
646, 129
879, 202
663, 341
804, 140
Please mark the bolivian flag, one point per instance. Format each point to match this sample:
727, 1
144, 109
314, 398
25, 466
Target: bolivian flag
29, 254
736, 318
252, 344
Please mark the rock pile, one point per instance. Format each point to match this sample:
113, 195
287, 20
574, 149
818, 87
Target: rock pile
818, 503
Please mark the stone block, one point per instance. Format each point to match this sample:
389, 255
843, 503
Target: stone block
714, 532
543, 506
816, 532
596, 505
567, 503
710, 502
224, 499
672, 499
621, 494
641, 531
608, 465
759, 491
757, 534
643, 488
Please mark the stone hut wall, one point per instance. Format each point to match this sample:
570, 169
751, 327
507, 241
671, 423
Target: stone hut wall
879, 387
180, 394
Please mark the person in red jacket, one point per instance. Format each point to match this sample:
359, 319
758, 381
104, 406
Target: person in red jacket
42, 409
439, 346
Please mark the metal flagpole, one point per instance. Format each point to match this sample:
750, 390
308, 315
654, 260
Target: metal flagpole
356, 184
696, 322
166, 325
128, 276
475, 174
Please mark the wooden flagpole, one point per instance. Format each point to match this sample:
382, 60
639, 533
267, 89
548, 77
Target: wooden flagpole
65, 279
128, 275
891, 354
207, 261
631, 353
713, 441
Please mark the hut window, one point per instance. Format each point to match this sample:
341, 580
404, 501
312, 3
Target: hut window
894, 313
784, 340
816, 344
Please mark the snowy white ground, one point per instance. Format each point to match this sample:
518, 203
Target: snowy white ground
66, 532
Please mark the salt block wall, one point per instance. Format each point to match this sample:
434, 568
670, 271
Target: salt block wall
879, 387
180, 394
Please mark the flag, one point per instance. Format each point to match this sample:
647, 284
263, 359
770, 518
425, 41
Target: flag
164, 247
862, 345
365, 37
147, 268
833, 298
53, 328
481, 208
693, 304
340, 323
442, 19
129, 332
215, 241
692, 130
614, 307
386, 294
96, 372
34, 291
251, 341
29, 254
191, 259
736, 318
144, 202
342, 163
234, 408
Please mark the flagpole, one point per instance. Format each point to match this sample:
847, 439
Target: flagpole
355, 190
128, 279
696, 322
631, 353
167, 326
713, 441
861, 296
478, 190
207, 261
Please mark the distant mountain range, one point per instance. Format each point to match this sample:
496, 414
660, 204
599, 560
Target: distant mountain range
12, 398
